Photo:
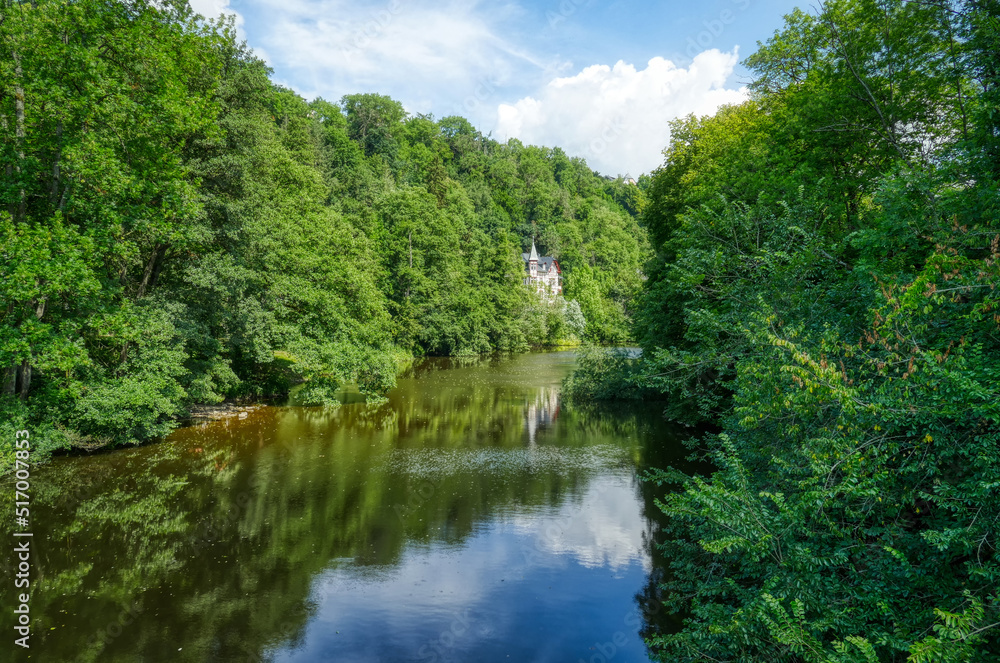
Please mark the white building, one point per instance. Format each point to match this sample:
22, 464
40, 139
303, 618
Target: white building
544, 275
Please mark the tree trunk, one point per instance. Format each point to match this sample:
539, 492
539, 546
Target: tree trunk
23, 373
8, 171
19, 135
9, 381
409, 276
24, 380
54, 196
159, 266
152, 267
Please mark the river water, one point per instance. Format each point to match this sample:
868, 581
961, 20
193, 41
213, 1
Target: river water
472, 517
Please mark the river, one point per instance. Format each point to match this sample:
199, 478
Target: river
472, 517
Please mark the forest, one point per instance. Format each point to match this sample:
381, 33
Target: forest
176, 229
823, 302
811, 274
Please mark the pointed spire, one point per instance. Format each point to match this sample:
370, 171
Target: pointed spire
534, 252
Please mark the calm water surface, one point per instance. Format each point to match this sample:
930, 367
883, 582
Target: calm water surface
473, 517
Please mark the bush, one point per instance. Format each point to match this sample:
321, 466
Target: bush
45, 437
607, 374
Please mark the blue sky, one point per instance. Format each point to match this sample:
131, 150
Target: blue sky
600, 79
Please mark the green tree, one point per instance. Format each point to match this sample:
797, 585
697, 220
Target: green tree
823, 291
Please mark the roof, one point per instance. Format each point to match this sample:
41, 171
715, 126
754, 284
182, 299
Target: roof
545, 264
531, 256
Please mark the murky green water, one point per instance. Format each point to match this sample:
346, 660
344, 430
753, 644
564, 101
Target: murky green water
473, 517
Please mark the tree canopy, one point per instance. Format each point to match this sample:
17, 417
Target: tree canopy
177, 229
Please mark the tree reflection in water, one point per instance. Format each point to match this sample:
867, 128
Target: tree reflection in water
266, 537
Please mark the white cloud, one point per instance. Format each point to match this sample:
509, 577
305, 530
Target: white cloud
605, 528
432, 56
616, 117
465, 57
213, 8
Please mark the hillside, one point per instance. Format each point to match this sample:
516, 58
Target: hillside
177, 229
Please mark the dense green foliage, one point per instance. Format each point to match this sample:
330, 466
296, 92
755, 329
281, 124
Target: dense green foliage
824, 289
176, 229
608, 374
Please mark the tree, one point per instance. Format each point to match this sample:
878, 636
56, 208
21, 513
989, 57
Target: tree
575, 321
824, 292
373, 121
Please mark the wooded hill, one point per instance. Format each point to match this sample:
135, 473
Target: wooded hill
177, 229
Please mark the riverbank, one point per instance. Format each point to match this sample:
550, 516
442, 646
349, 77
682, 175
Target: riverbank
473, 497
52, 440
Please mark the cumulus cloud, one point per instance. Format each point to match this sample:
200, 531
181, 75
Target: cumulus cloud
464, 57
419, 51
616, 117
214, 8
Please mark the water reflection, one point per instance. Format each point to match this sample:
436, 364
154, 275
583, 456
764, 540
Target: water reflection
470, 517
542, 412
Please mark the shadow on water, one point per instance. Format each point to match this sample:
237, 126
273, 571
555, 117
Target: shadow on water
472, 516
